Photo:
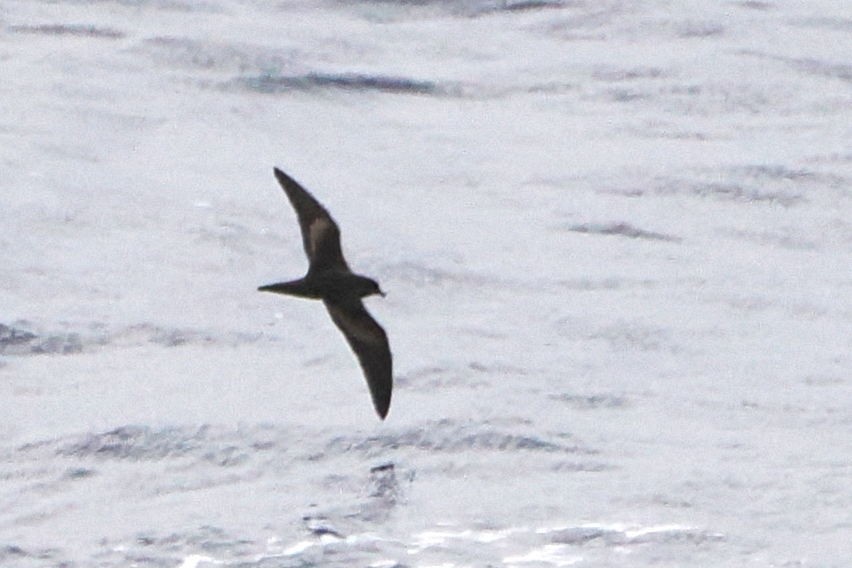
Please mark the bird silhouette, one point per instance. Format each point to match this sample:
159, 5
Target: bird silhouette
329, 279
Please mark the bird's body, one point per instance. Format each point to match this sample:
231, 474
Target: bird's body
329, 279
327, 284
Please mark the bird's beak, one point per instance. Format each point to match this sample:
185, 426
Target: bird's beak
382, 293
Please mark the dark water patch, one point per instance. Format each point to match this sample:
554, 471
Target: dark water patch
756, 5
594, 285
169, 549
626, 95
484, 8
781, 238
613, 75
386, 490
205, 538
730, 186
779, 178
634, 337
79, 30
176, 337
553, 88
609, 536
22, 338
699, 30
79, 473
674, 536
497, 369
320, 525
383, 482
665, 131
775, 172
743, 303
148, 333
434, 376
214, 56
820, 380
13, 552
215, 446
833, 24
445, 436
832, 158
420, 275
714, 99
16, 339
61, 343
621, 229
467, 8
738, 192
136, 443
669, 501
809, 65
579, 535
590, 21
581, 467
374, 497
350, 82
619, 336
775, 184
195, 6
842, 71
529, 5
592, 401
11, 337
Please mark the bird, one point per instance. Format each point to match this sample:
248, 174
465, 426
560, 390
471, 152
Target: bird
329, 279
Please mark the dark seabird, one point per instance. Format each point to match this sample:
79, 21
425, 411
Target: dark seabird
330, 280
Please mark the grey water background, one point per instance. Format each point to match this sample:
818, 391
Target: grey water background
616, 237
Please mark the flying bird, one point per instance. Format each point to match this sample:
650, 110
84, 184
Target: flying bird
329, 279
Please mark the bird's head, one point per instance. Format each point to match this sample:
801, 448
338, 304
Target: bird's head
370, 287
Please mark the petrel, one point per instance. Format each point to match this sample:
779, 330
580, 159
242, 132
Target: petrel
330, 280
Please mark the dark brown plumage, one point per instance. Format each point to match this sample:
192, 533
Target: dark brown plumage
329, 279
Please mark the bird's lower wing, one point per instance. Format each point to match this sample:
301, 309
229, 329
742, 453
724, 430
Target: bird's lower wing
370, 344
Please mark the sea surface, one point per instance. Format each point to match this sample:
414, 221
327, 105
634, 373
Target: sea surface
616, 239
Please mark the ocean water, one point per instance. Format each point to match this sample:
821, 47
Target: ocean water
616, 238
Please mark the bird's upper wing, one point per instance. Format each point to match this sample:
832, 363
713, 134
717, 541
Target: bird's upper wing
370, 344
320, 234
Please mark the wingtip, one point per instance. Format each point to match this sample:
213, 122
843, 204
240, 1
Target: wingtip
382, 407
286, 182
279, 174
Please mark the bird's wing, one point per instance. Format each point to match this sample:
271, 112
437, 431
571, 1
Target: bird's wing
370, 344
320, 234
